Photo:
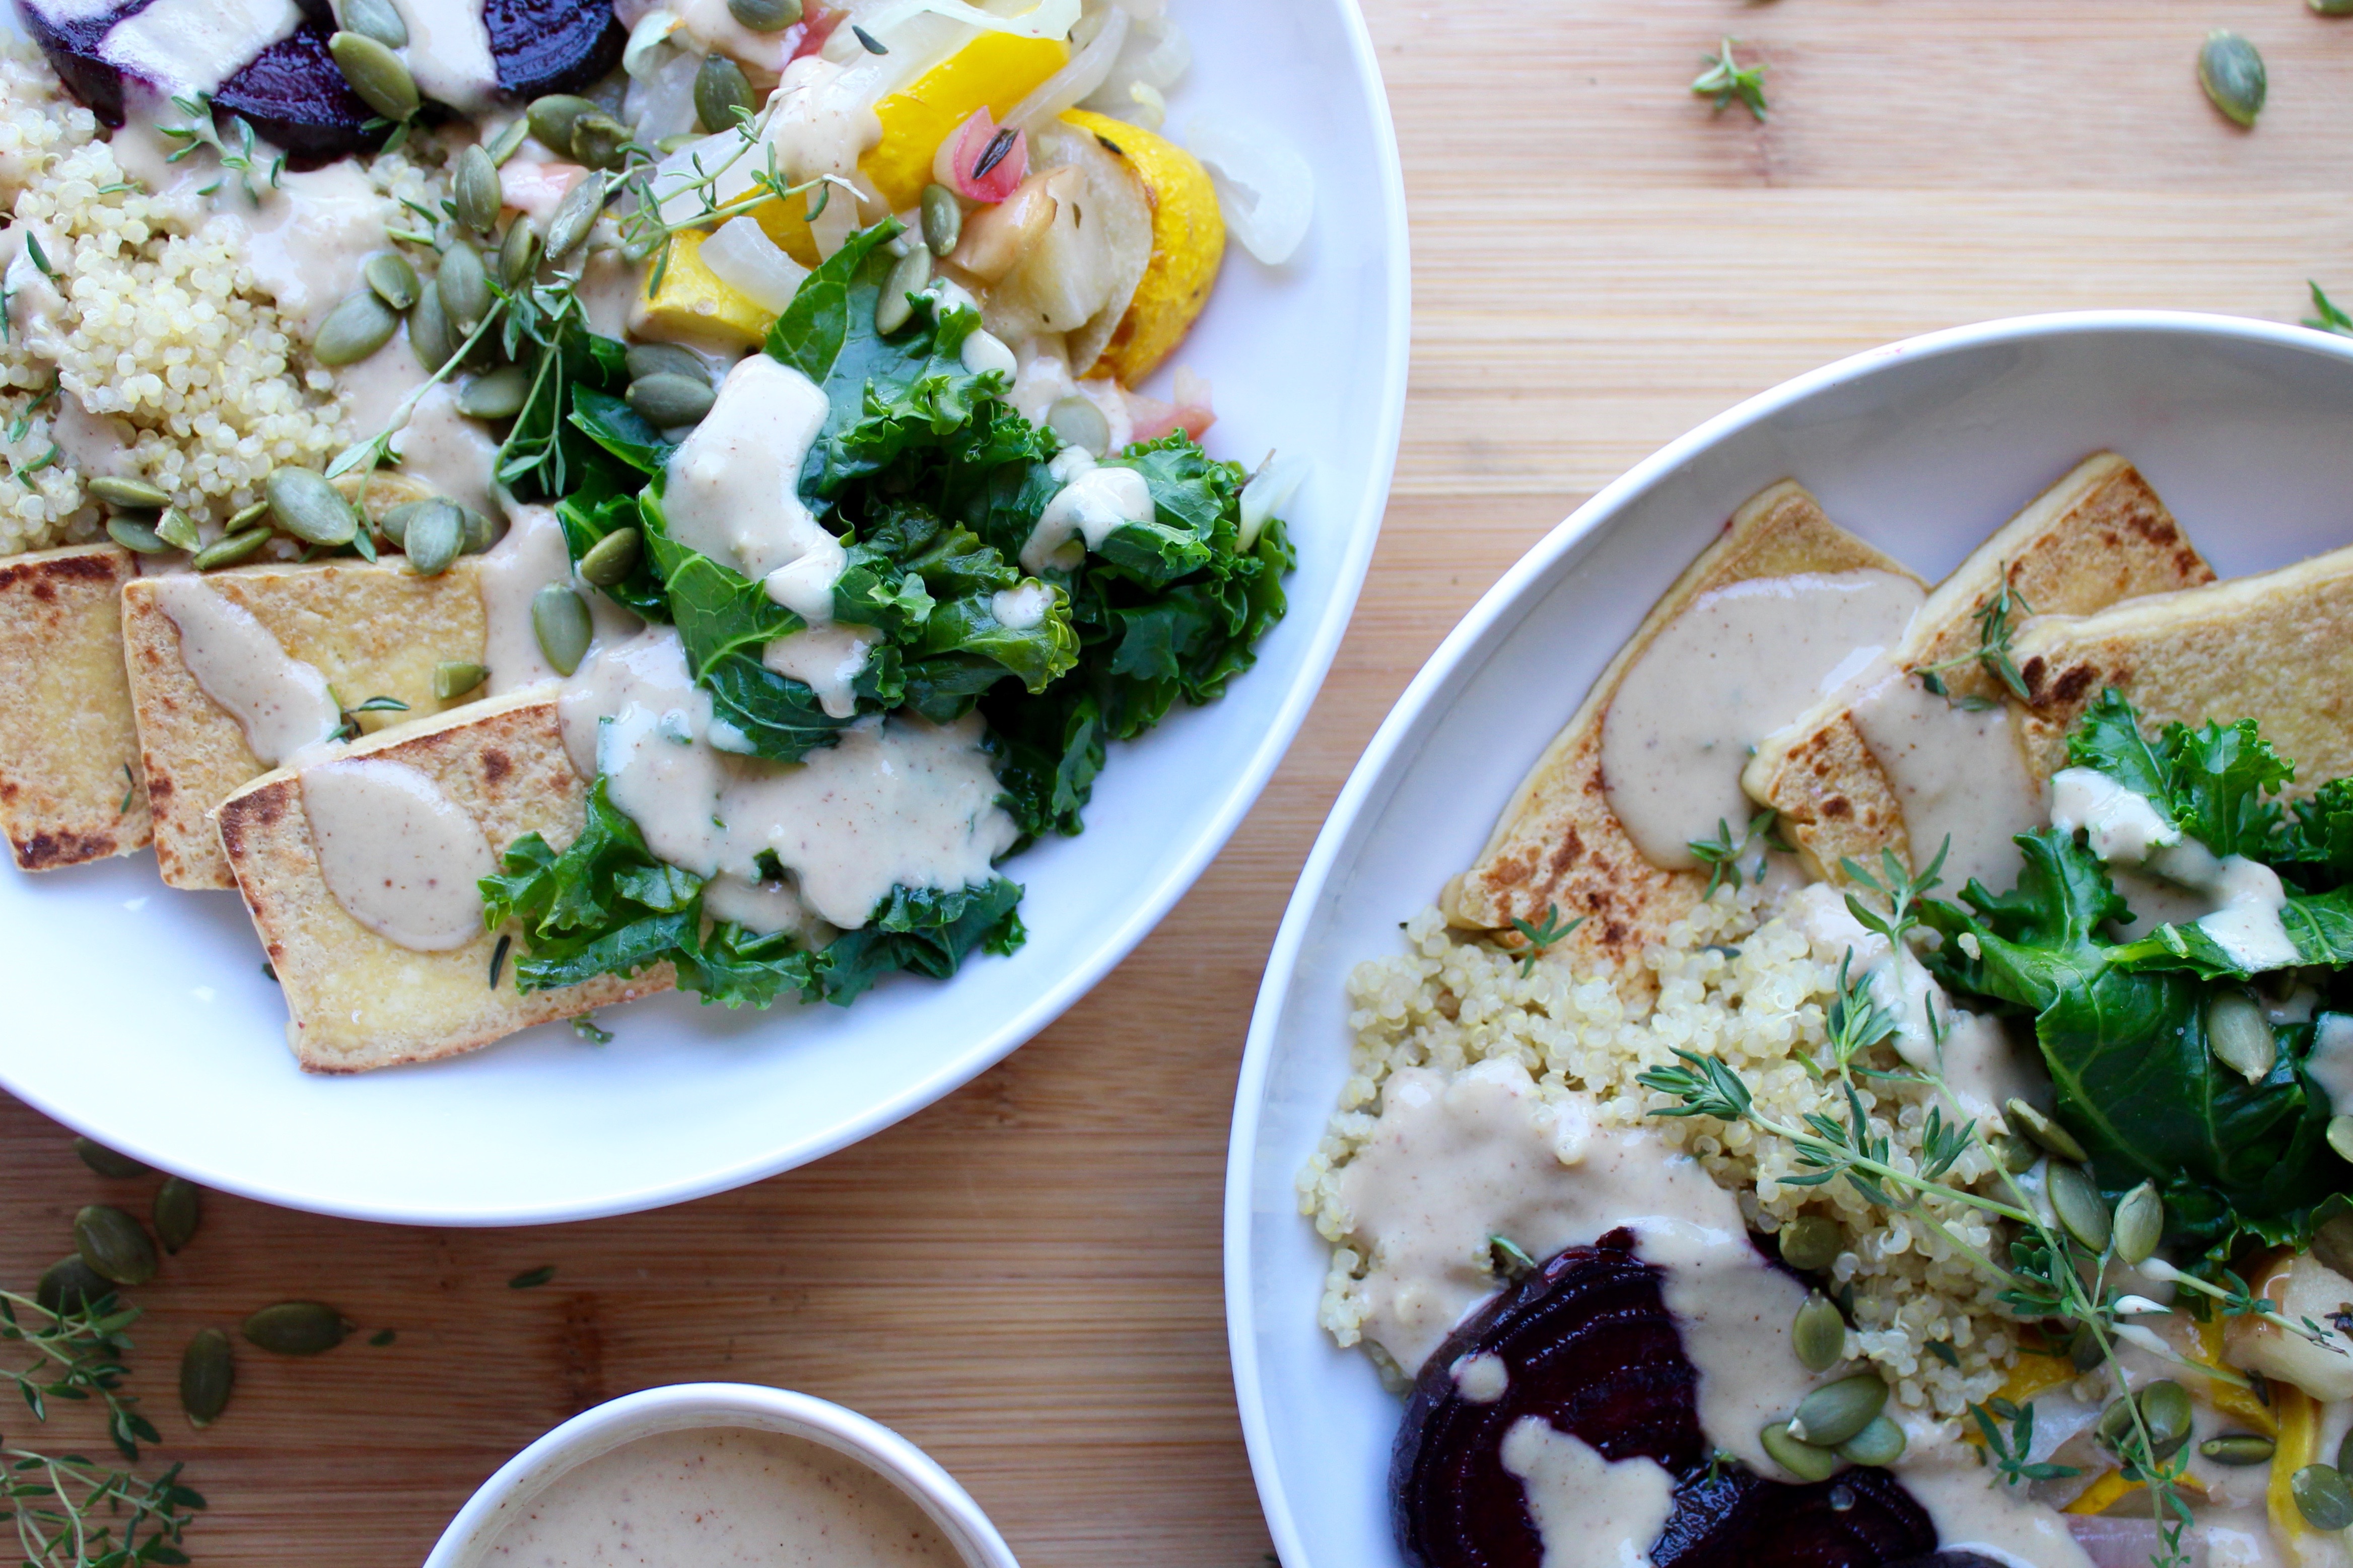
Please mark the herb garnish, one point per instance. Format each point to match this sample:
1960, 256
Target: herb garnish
1992, 653
531, 1279
1542, 937
1726, 80
1721, 855
200, 132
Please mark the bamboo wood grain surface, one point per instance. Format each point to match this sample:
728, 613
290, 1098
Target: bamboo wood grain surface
1025, 1279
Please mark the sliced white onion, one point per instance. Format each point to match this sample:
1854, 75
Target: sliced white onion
1156, 56
643, 51
1046, 19
742, 256
1265, 189
1269, 492
1084, 74
661, 102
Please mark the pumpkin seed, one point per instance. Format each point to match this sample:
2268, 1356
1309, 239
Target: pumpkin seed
1793, 1454
2079, 1205
500, 395
435, 535
2025, 1119
393, 525
1818, 1334
135, 537
107, 1162
1811, 1243
1837, 1411
1880, 1443
179, 1209
454, 677
560, 618
2322, 1497
2231, 72
2165, 1406
2085, 1352
908, 276
612, 558
519, 252
1081, 424
377, 19
766, 16
668, 401
474, 190
464, 287
393, 279
207, 1368
295, 1327
553, 116
137, 495
375, 73
2014, 1152
477, 531
178, 529
943, 219
2140, 1223
2344, 1454
2241, 1037
722, 93
113, 1244
2340, 1136
2239, 1449
229, 549
69, 1285
354, 330
502, 146
429, 332
598, 140
304, 504
2332, 8
665, 359
574, 217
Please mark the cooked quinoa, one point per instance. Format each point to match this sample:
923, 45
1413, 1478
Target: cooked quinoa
1740, 984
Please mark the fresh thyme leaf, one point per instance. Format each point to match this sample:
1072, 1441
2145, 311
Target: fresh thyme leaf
40, 258
1902, 891
584, 1026
531, 1279
2328, 318
1727, 81
1721, 855
1995, 630
383, 1337
499, 957
1542, 938
1508, 1258
130, 789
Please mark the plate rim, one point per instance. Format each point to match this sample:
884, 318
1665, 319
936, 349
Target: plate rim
1383, 754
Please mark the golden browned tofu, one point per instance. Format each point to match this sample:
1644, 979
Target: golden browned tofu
372, 630
1559, 845
70, 784
359, 1001
2098, 536
2276, 649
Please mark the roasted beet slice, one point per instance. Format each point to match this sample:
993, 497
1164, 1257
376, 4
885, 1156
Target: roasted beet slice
297, 98
71, 45
1587, 1343
552, 45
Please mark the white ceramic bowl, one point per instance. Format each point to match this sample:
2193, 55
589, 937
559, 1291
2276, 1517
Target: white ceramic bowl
140, 1015
685, 1406
1922, 447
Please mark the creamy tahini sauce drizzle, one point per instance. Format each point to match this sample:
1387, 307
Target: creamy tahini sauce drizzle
826, 659
1092, 504
733, 488
448, 52
282, 704
2244, 896
1451, 1165
1958, 774
1738, 663
2331, 1061
400, 855
194, 46
2119, 824
719, 1497
307, 240
1590, 1512
510, 575
1971, 1513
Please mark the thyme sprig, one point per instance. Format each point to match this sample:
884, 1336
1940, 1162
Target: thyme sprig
68, 1513
1726, 79
2330, 317
242, 159
1542, 937
2009, 1458
77, 1356
1721, 855
1992, 654
372, 453
1901, 889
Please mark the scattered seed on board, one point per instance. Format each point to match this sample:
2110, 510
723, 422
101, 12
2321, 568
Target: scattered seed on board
2239, 1449
434, 537
306, 505
393, 279
464, 287
766, 16
498, 394
598, 140
2078, 1204
519, 251
1818, 1334
454, 677
720, 91
668, 401
375, 73
378, 19
1081, 424
69, 1285
2045, 1132
428, 330
1811, 1241
178, 1210
229, 549
1795, 1455
1882, 1442
474, 190
574, 217
208, 1371
560, 618
113, 1244
2322, 1497
1837, 1411
135, 537
106, 1162
354, 329
295, 1327
612, 558
2233, 74
891, 307
2140, 1223
665, 359
943, 219
136, 494
553, 116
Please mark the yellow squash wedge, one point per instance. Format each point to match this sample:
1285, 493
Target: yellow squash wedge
691, 302
1188, 240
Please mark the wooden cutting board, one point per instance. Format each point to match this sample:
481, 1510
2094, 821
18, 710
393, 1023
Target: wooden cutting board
1025, 1279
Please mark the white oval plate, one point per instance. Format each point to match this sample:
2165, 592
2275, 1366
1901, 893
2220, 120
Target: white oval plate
140, 1015
1924, 449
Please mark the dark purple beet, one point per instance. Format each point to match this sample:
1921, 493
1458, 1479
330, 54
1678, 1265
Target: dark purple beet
1589, 1346
71, 46
552, 45
297, 98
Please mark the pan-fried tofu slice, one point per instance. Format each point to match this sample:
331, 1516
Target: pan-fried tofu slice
70, 784
1559, 845
2276, 649
372, 630
2098, 536
360, 1001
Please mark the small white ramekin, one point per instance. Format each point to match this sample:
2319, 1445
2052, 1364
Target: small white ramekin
683, 1406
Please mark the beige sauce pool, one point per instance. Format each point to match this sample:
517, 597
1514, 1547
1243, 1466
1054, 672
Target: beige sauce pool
402, 858
282, 704
719, 1497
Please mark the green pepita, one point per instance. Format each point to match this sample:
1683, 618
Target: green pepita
560, 618
247, 516
2140, 1223
464, 287
574, 217
135, 495
500, 395
354, 330
179, 1209
2340, 1136
908, 276
1811, 1243
2332, 8
107, 1162
1800, 1458
2078, 1204
229, 549
135, 537
378, 19
723, 94
551, 118
2239, 1448
2014, 1152
612, 558
599, 141
2165, 1405
178, 529
454, 677
295, 1327
393, 279
2344, 1454
69, 1285
2233, 74
766, 16
478, 537
113, 1244
1817, 1334
519, 252
305, 504
2024, 1118
375, 73
668, 401
474, 190
502, 146
943, 219
665, 359
1837, 1411
2241, 1037
1081, 424
429, 332
393, 525
1880, 1443
208, 1369
435, 535
2322, 1496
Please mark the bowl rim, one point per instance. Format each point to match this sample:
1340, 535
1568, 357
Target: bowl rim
1501, 603
682, 1406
